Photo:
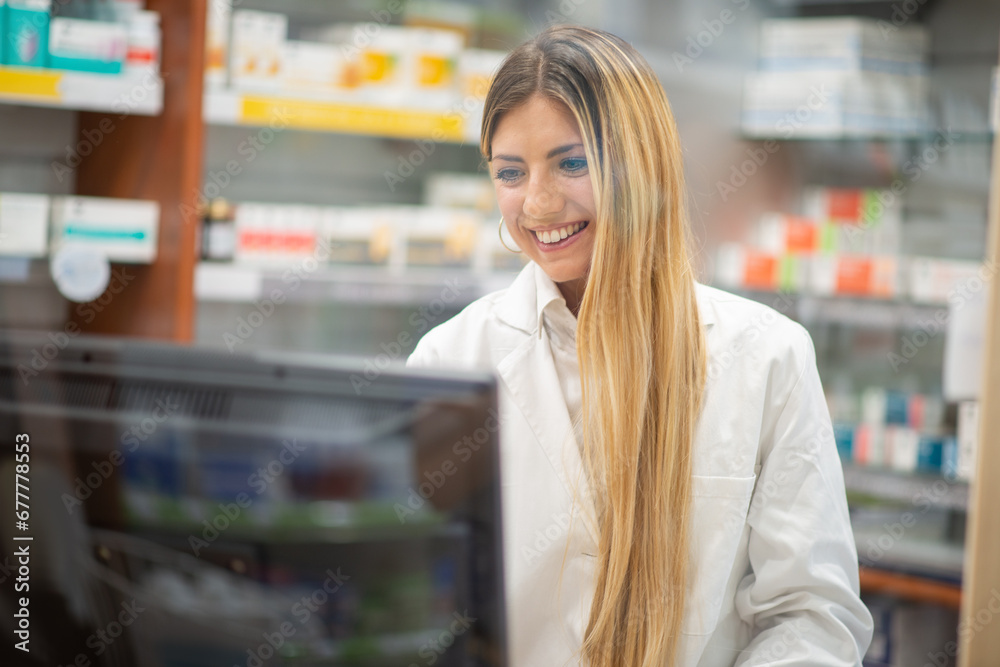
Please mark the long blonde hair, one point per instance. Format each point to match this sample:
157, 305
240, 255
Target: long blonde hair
639, 340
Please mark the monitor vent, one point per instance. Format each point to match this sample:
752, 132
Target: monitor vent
312, 412
174, 400
79, 392
87, 392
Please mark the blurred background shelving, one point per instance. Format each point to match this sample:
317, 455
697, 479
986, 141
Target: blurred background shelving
210, 153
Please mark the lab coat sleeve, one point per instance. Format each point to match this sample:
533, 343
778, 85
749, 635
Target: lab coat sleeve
801, 594
424, 355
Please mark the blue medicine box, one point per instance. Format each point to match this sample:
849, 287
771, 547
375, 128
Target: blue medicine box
3, 27
26, 33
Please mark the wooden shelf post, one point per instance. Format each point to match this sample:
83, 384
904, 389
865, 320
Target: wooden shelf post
979, 627
159, 159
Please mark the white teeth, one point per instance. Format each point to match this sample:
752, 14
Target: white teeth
559, 234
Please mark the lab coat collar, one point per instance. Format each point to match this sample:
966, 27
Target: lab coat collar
544, 410
519, 305
547, 295
532, 291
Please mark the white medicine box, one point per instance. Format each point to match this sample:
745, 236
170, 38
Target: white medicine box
256, 49
24, 225
124, 230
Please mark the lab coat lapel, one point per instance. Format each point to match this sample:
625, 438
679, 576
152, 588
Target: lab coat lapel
529, 374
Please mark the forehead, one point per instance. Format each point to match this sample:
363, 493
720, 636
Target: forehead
538, 123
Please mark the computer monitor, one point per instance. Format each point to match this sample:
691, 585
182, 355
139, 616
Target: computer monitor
183, 506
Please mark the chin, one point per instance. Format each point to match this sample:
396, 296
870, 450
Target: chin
560, 274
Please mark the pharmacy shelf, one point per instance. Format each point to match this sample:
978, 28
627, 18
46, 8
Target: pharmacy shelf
370, 285
837, 5
925, 490
316, 522
405, 647
909, 587
137, 93
932, 559
972, 136
862, 312
302, 535
229, 107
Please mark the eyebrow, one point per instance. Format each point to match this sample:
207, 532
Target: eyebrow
551, 154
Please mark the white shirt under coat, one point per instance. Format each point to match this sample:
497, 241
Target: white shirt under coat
774, 576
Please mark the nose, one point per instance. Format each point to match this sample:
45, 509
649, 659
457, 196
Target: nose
543, 198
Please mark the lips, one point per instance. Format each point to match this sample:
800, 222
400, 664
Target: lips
553, 236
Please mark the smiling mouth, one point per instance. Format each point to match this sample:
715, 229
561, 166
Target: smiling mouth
556, 235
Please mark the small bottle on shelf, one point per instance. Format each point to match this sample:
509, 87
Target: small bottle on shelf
144, 40
218, 237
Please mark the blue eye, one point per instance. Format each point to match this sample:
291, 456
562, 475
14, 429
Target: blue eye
574, 164
507, 175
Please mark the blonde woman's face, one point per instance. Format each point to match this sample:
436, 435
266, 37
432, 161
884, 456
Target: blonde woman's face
542, 181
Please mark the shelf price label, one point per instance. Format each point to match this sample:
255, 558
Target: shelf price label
308, 115
30, 84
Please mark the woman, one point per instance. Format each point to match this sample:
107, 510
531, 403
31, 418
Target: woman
671, 489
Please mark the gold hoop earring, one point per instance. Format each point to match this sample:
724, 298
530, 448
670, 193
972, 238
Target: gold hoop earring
500, 233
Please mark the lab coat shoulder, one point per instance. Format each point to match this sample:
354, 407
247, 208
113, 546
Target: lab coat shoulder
741, 326
483, 333
756, 358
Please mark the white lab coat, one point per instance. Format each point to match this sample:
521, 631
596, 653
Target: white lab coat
775, 579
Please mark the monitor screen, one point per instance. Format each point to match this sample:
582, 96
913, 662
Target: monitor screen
182, 506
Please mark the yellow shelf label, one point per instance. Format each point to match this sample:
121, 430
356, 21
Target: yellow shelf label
27, 82
307, 115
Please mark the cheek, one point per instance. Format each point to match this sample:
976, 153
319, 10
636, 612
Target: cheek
582, 193
509, 203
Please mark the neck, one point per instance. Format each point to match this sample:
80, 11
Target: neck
572, 292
